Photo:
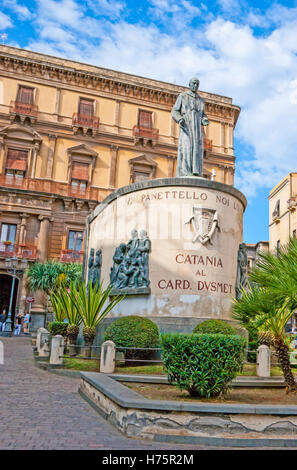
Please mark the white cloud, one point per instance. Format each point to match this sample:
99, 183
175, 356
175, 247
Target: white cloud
5, 21
109, 8
22, 11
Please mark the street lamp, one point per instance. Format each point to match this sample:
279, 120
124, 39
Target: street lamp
11, 267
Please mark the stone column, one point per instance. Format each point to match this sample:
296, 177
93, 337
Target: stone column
263, 361
113, 165
226, 138
42, 242
35, 151
117, 116
50, 155
57, 103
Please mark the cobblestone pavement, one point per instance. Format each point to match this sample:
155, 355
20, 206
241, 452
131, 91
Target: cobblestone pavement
41, 410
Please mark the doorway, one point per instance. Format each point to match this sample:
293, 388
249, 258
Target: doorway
5, 290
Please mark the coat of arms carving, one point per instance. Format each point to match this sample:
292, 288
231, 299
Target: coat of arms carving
204, 222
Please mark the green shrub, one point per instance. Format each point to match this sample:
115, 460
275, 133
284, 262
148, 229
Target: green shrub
202, 364
58, 328
215, 327
133, 332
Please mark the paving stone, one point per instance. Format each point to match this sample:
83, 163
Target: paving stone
44, 410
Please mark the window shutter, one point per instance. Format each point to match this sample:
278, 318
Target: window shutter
145, 119
86, 107
80, 171
16, 160
25, 95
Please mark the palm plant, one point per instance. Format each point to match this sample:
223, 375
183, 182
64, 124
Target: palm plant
270, 302
257, 309
46, 276
62, 301
92, 305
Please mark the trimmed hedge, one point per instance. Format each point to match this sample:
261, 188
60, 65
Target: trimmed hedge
202, 364
215, 327
134, 332
58, 328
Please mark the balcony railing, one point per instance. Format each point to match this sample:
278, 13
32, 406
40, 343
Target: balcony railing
16, 107
207, 143
146, 133
71, 256
51, 187
84, 120
21, 250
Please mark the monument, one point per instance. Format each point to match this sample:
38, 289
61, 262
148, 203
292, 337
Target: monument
171, 244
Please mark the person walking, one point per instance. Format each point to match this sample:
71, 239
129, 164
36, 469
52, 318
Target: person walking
2, 319
26, 323
18, 324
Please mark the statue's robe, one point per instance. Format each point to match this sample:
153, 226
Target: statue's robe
190, 107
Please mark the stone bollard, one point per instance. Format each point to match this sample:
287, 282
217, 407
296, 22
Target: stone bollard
57, 350
38, 337
263, 361
107, 357
44, 350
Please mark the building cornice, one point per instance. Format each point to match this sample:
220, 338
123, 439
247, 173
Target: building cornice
61, 71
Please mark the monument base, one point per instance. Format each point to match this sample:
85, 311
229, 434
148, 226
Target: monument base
194, 226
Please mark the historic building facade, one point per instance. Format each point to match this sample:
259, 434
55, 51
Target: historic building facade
282, 212
253, 253
70, 134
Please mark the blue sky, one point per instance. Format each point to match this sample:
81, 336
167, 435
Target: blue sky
245, 50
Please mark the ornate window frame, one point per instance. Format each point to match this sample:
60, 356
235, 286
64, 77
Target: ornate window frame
21, 138
144, 164
82, 154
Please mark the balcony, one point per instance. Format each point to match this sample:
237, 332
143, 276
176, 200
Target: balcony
207, 144
145, 135
71, 256
22, 250
292, 204
51, 187
85, 124
23, 112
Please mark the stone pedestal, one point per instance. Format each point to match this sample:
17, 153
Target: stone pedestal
263, 361
40, 331
107, 358
57, 350
44, 349
195, 227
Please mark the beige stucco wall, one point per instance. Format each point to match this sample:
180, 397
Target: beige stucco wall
282, 227
188, 279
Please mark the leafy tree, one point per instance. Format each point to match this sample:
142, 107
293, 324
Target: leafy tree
270, 302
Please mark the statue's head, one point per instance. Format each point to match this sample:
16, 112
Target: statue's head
134, 233
194, 84
143, 234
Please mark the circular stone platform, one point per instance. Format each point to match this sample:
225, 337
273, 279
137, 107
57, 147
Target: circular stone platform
195, 227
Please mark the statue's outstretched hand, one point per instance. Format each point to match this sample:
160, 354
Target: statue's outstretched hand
182, 125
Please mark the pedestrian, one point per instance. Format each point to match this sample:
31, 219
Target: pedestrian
26, 323
2, 319
18, 324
